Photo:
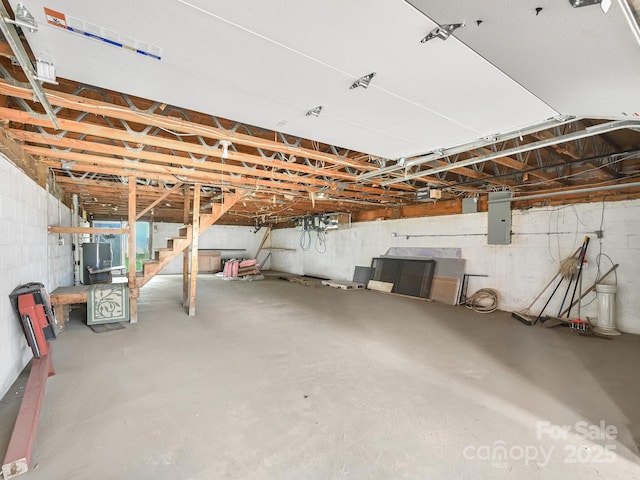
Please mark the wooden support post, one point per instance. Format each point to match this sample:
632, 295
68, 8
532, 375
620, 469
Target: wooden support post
18, 457
194, 249
185, 253
133, 290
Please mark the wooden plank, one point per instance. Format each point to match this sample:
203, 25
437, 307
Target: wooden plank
343, 284
69, 295
159, 199
194, 250
442, 207
148, 170
219, 209
518, 165
176, 145
83, 104
264, 239
301, 280
380, 286
185, 252
87, 230
209, 261
131, 248
61, 313
17, 460
212, 166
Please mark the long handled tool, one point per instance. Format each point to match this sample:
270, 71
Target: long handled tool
573, 266
548, 301
589, 290
582, 255
524, 316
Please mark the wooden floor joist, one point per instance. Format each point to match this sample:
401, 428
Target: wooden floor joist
18, 457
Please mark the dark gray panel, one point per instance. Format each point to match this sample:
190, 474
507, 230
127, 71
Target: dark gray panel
499, 219
362, 275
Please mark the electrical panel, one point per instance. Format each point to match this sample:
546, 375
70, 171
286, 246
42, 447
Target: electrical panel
499, 219
322, 222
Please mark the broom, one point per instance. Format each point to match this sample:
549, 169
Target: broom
567, 266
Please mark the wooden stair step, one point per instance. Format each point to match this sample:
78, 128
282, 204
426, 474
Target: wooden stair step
173, 242
160, 252
149, 265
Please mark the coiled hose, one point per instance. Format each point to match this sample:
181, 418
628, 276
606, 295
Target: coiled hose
484, 300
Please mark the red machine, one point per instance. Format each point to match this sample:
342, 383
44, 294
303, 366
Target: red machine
31, 302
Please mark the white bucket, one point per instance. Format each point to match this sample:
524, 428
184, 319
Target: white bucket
606, 323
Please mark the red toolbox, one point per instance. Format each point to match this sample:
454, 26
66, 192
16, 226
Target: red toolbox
31, 303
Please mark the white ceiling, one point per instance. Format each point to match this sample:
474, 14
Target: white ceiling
268, 63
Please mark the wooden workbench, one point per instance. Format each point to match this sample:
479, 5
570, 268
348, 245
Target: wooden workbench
62, 297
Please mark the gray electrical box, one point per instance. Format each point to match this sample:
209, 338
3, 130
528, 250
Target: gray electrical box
499, 219
470, 205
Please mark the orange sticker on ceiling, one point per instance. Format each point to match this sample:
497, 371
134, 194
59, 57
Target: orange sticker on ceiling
102, 34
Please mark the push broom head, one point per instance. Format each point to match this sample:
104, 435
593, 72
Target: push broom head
569, 266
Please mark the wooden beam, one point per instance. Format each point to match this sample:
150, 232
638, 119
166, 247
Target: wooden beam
169, 145
17, 460
471, 173
87, 230
165, 159
194, 250
159, 199
185, 252
6, 51
219, 209
114, 166
202, 167
519, 166
571, 150
96, 107
133, 290
264, 240
442, 207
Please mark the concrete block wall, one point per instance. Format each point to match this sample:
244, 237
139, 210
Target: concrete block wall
59, 246
542, 237
217, 236
27, 254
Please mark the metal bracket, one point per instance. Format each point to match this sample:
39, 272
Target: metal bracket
12, 38
442, 32
24, 19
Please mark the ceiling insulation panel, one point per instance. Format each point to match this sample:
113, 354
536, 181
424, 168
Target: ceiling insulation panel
268, 63
580, 61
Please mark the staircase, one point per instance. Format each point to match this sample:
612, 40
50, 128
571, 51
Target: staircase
176, 245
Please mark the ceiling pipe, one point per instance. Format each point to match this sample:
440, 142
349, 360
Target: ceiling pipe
567, 192
14, 42
628, 154
588, 132
555, 122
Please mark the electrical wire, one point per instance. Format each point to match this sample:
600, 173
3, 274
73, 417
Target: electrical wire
321, 242
600, 252
305, 240
599, 258
484, 300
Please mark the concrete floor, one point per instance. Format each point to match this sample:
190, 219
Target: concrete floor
273, 380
